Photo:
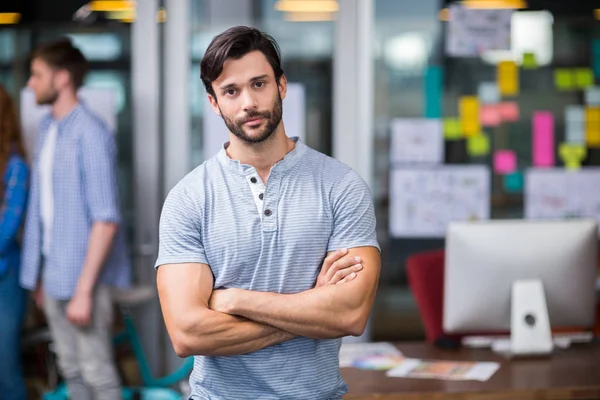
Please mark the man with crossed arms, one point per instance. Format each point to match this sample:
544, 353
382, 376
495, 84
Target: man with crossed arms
240, 273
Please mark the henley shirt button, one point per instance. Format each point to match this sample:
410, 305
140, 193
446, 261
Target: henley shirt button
268, 212
253, 180
260, 196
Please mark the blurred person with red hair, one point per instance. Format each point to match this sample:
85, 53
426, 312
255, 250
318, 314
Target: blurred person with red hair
13, 191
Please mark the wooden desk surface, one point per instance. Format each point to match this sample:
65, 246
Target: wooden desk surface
573, 373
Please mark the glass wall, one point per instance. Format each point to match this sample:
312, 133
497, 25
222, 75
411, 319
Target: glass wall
307, 53
409, 38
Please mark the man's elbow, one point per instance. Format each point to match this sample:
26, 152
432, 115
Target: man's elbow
356, 324
181, 346
185, 346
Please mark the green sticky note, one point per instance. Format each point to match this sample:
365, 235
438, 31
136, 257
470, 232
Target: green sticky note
584, 77
513, 183
452, 129
529, 61
564, 79
478, 145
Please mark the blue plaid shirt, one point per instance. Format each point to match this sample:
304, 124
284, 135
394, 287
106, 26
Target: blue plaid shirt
85, 191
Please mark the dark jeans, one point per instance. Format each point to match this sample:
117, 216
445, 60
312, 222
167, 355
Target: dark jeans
12, 309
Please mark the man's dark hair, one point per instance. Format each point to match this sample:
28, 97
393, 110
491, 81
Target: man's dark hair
61, 54
235, 43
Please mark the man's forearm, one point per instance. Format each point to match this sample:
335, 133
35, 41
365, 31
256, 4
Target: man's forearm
218, 334
100, 243
320, 313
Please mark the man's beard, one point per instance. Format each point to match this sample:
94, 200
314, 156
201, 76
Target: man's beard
48, 99
272, 117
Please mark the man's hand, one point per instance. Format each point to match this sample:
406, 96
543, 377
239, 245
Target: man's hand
79, 309
38, 296
338, 267
223, 300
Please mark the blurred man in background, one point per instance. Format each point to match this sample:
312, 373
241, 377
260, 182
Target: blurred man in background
74, 249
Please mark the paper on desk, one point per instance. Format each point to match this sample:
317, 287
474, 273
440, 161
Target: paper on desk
446, 370
353, 353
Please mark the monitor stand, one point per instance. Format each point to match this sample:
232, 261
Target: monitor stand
530, 333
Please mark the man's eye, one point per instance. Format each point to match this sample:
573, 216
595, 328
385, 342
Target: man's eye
259, 84
230, 92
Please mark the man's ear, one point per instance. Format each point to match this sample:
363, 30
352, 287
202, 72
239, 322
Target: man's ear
62, 78
214, 104
282, 85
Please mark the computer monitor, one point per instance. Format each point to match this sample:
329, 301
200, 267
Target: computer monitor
522, 276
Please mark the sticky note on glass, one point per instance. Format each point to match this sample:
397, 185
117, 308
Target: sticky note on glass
513, 182
433, 85
452, 129
592, 96
572, 154
592, 126
596, 57
478, 145
529, 61
564, 79
543, 139
509, 111
575, 132
488, 93
489, 115
469, 115
584, 77
505, 162
508, 78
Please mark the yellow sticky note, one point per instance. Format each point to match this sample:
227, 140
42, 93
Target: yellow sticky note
478, 145
469, 115
564, 79
572, 154
452, 129
593, 139
592, 126
584, 77
508, 78
529, 61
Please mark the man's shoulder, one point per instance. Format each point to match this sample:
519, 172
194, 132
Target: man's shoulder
331, 169
197, 181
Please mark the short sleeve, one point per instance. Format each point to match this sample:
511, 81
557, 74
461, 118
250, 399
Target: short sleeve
100, 179
353, 214
180, 233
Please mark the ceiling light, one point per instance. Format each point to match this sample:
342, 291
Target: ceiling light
9, 18
309, 16
112, 5
325, 6
494, 4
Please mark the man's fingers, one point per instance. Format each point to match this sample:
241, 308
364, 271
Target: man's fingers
331, 258
343, 263
348, 278
341, 274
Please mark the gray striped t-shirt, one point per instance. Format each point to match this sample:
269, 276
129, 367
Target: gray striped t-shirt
311, 204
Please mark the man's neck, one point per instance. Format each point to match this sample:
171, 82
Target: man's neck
262, 156
64, 104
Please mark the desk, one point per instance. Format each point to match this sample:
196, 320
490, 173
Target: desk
573, 373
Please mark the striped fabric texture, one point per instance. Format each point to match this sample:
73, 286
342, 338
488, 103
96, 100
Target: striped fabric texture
85, 191
310, 205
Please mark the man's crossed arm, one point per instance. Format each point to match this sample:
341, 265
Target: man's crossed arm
321, 313
195, 328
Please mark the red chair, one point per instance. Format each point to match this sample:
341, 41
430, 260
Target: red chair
425, 273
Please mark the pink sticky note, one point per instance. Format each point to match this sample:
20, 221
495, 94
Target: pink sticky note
543, 139
489, 115
509, 111
505, 161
